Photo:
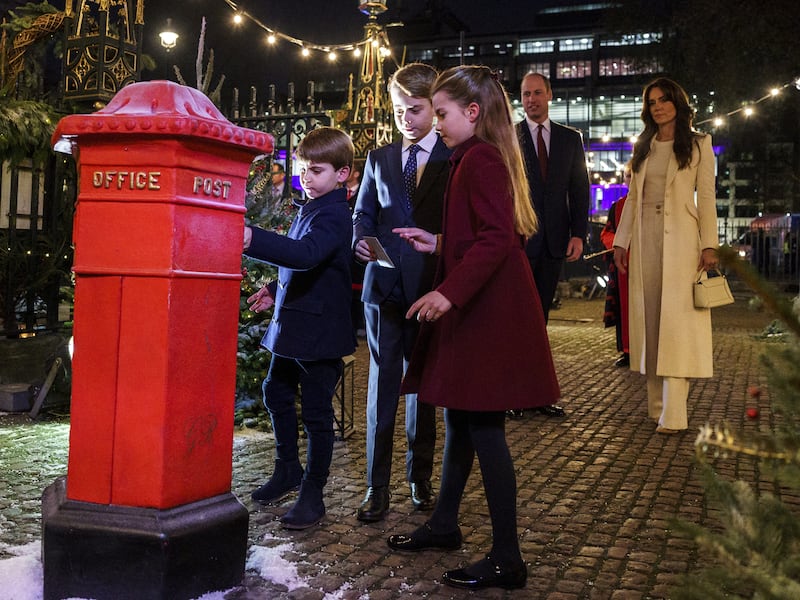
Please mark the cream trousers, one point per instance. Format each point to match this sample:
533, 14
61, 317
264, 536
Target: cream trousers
666, 401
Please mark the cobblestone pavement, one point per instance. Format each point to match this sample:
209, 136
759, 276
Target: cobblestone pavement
598, 490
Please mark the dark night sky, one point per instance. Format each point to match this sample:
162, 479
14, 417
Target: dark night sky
245, 58
242, 54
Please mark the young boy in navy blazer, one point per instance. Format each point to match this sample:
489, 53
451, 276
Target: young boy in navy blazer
311, 328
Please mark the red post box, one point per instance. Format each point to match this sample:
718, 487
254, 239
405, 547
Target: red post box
158, 242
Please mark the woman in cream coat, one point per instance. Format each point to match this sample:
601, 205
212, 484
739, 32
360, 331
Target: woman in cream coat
669, 223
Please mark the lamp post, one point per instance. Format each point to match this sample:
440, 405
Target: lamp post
168, 37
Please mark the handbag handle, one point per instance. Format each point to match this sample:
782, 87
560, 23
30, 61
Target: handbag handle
702, 274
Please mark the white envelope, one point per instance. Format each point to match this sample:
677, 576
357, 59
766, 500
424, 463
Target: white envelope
379, 251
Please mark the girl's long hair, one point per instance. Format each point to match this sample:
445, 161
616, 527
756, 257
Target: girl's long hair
685, 136
478, 84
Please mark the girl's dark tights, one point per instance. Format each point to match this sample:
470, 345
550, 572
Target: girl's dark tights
483, 433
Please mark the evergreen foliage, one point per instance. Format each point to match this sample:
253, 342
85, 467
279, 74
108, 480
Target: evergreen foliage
251, 359
26, 127
33, 82
756, 554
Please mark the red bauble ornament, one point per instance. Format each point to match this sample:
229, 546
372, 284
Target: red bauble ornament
752, 413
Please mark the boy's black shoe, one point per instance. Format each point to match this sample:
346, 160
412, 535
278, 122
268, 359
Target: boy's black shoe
375, 505
422, 496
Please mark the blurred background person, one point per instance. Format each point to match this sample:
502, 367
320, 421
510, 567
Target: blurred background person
616, 308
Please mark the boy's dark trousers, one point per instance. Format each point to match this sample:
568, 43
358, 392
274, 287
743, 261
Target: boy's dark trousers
317, 381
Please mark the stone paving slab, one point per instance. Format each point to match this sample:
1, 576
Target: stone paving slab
598, 491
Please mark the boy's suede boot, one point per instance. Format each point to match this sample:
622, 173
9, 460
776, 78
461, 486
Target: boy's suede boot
285, 479
309, 508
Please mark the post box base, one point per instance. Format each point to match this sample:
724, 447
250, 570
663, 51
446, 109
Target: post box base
118, 552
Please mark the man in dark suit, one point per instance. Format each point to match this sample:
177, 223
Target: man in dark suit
402, 186
281, 190
559, 181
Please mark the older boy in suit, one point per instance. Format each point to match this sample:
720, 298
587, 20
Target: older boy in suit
402, 186
310, 329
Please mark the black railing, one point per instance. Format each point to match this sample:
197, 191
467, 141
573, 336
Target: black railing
773, 251
35, 234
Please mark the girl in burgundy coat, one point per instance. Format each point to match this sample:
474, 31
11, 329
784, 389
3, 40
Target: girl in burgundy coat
473, 355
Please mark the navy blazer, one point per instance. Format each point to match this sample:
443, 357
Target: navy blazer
381, 206
561, 202
311, 317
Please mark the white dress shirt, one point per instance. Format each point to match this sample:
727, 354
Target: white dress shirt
534, 126
426, 145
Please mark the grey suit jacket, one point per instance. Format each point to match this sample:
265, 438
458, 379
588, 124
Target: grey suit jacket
381, 206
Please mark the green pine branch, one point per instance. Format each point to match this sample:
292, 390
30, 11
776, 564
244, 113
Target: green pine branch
756, 552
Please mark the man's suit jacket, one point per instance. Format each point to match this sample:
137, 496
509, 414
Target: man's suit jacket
311, 318
561, 202
381, 206
288, 192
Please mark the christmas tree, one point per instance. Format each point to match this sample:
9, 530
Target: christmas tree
251, 359
756, 552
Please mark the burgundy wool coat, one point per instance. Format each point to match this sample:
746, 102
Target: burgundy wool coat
490, 352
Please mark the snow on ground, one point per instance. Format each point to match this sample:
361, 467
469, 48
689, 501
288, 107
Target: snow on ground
21, 576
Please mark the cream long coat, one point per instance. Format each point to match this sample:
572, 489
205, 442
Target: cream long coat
690, 225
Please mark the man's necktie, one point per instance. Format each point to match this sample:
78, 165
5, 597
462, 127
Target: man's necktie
410, 173
541, 150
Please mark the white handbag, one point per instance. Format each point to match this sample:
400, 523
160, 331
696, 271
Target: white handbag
710, 292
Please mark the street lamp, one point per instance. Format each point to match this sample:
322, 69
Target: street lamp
168, 37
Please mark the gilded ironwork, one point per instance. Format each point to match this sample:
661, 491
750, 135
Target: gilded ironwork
369, 108
366, 116
102, 48
42, 27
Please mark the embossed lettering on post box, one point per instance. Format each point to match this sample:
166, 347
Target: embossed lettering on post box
132, 180
211, 187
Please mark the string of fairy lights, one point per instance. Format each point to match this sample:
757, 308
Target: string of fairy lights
715, 121
379, 40
747, 109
